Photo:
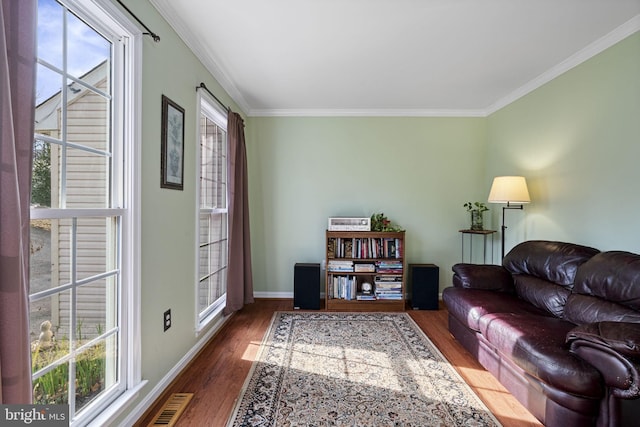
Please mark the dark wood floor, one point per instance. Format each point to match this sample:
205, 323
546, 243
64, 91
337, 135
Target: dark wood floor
217, 374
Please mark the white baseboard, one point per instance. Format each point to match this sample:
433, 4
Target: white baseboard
162, 385
278, 295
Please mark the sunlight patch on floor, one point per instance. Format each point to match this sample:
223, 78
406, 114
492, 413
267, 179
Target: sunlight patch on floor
427, 387
251, 351
357, 365
489, 389
479, 378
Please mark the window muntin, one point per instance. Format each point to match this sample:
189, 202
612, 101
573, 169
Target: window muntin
212, 251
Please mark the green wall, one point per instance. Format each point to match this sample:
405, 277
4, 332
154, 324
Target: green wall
577, 141
418, 171
168, 232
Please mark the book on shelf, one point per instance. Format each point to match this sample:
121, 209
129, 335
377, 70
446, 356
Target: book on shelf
382, 281
388, 286
392, 248
395, 290
364, 247
348, 248
365, 297
365, 268
388, 278
331, 248
388, 296
340, 265
389, 267
344, 287
391, 288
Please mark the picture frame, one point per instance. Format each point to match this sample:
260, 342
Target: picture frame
172, 145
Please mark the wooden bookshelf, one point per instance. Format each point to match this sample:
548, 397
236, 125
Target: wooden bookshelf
357, 257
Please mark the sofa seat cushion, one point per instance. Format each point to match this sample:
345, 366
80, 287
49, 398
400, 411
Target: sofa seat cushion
469, 305
537, 345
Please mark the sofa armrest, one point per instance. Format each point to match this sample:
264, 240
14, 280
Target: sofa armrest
482, 276
614, 349
623, 337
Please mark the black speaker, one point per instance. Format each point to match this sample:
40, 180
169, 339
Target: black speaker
424, 285
306, 286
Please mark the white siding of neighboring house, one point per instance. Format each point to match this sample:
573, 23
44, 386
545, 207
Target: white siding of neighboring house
86, 187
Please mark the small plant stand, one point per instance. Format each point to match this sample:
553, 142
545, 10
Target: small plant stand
484, 234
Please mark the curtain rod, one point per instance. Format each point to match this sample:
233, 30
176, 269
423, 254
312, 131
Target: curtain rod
203, 86
154, 36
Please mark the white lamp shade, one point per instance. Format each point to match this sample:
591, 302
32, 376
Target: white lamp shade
509, 189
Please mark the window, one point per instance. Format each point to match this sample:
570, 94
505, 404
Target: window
212, 209
82, 187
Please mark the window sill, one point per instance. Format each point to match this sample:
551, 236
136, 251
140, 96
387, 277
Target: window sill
107, 416
214, 318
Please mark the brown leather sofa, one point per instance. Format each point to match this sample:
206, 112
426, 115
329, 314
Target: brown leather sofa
558, 325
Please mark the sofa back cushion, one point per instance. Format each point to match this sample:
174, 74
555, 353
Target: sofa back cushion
614, 276
541, 293
607, 288
556, 262
581, 309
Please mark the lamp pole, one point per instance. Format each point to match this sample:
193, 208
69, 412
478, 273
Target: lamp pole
507, 188
504, 227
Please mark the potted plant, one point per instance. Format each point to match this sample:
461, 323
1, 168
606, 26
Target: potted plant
379, 222
476, 209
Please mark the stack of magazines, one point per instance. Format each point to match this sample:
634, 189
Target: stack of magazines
388, 287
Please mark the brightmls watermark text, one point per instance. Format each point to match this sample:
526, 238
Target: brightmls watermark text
34, 415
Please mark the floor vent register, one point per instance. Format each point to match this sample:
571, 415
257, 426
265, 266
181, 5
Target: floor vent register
171, 410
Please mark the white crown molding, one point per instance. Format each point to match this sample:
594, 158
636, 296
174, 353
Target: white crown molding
622, 32
165, 8
338, 112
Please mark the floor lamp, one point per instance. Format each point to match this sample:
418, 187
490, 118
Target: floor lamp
509, 190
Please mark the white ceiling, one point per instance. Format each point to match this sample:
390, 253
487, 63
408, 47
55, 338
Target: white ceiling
392, 57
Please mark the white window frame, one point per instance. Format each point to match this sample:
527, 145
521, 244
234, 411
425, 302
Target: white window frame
209, 107
126, 70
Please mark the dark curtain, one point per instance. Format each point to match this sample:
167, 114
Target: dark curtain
239, 278
17, 97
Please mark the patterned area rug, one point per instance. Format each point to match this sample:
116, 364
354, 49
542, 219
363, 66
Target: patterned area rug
354, 369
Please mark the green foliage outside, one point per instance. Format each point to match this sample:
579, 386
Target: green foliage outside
53, 387
41, 176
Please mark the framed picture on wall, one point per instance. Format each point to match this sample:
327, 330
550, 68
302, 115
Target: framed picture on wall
172, 150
